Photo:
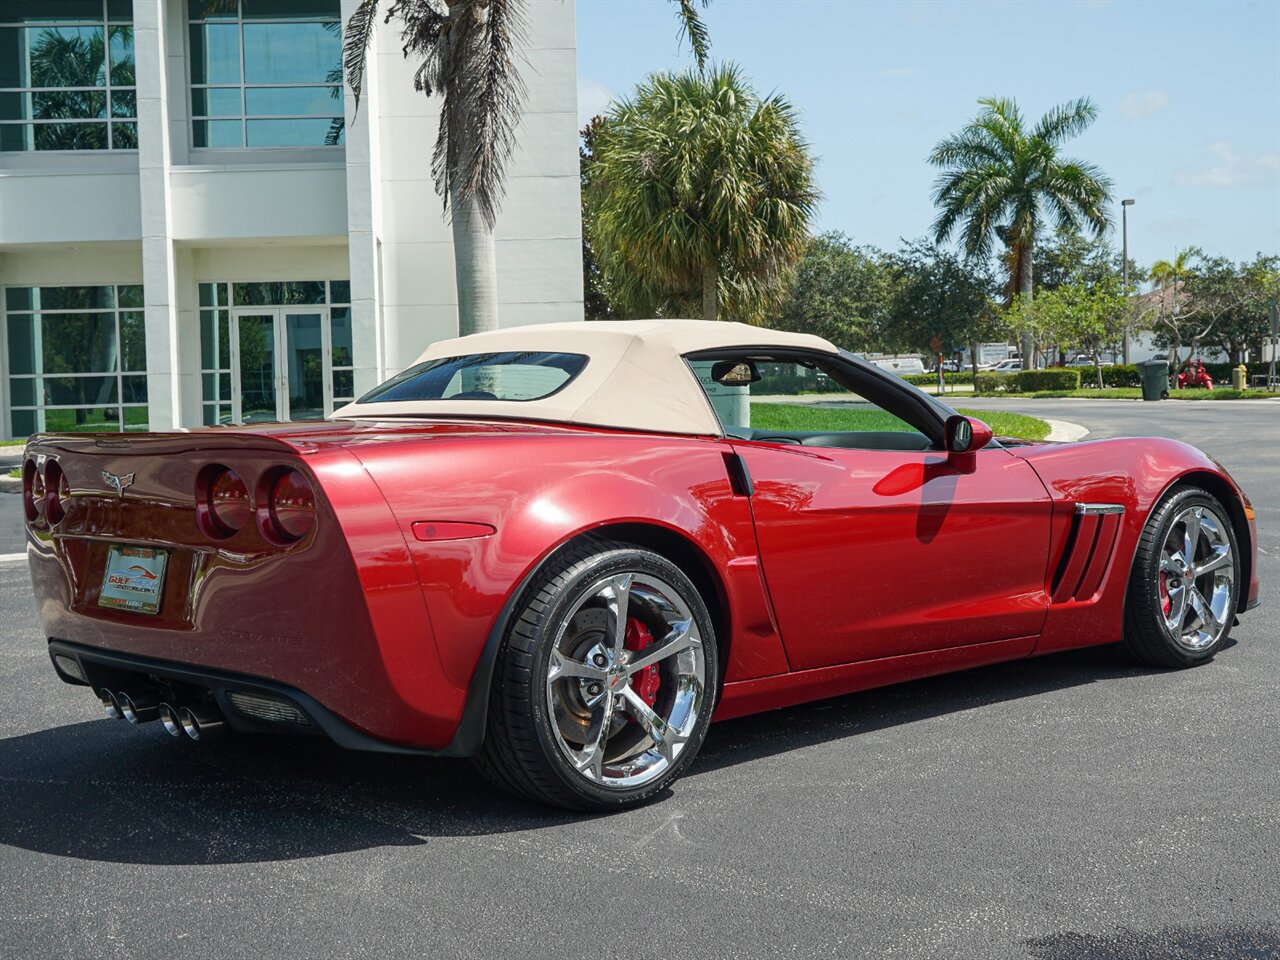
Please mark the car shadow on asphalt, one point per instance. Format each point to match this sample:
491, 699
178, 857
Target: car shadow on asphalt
104, 791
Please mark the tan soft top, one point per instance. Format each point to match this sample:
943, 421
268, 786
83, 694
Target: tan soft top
635, 377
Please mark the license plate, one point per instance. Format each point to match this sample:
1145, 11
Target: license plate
133, 579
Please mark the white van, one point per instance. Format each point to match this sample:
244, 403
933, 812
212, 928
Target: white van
902, 366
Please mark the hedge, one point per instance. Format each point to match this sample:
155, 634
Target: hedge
931, 379
988, 382
1052, 378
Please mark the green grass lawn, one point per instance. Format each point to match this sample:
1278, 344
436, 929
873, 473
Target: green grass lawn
1135, 393
795, 416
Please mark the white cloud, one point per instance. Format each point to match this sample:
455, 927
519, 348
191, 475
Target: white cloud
1143, 103
593, 99
1232, 168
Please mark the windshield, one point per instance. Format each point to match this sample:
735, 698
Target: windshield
482, 376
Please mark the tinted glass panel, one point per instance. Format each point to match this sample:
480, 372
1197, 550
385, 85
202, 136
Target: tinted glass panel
78, 342
484, 376
80, 391
294, 133
216, 133
278, 294
215, 340
95, 420
22, 391
344, 382
216, 102
124, 103
134, 389
22, 344
290, 101
54, 56
211, 10
215, 53
49, 11
121, 56
340, 291
124, 136
340, 325
291, 9
68, 105
69, 136
133, 340
291, 53
130, 296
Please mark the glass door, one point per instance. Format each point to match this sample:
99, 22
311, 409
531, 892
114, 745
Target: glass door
304, 351
256, 394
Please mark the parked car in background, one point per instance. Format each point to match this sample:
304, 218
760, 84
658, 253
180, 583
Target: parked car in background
1007, 366
546, 548
948, 366
1087, 360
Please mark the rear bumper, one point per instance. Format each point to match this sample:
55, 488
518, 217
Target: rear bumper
121, 670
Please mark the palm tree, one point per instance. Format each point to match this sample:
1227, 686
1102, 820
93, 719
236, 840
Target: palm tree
701, 191
469, 51
1003, 181
1169, 277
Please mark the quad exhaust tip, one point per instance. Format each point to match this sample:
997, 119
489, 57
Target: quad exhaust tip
169, 717
138, 707
200, 722
110, 705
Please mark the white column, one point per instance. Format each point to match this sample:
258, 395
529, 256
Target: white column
158, 279
364, 223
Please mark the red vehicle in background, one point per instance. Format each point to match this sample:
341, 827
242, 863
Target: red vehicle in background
1195, 375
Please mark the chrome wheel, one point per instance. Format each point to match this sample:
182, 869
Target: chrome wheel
1197, 578
626, 677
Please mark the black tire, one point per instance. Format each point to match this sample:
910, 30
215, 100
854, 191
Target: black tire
521, 752
1147, 635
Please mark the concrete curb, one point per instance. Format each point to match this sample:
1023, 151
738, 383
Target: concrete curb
1064, 431
10, 484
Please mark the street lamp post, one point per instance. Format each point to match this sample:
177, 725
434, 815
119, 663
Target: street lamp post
1124, 266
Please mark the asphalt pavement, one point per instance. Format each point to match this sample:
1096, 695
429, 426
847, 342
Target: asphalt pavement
1071, 807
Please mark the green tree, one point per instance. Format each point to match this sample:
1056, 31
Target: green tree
839, 292
1086, 316
469, 51
1003, 181
703, 193
938, 297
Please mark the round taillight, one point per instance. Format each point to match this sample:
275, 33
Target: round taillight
32, 491
291, 505
55, 484
229, 505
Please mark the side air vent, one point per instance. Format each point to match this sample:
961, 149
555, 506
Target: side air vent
1090, 544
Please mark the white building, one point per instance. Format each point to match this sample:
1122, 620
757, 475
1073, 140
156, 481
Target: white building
196, 227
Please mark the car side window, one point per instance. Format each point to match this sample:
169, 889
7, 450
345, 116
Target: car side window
782, 401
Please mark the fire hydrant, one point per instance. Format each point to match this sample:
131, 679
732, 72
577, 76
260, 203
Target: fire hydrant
1239, 377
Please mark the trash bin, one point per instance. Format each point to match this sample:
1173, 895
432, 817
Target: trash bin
1155, 379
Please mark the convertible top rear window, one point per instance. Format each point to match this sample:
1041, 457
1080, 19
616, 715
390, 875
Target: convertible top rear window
525, 375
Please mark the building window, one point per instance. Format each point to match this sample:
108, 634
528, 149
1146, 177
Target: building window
67, 75
266, 73
275, 351
77, 359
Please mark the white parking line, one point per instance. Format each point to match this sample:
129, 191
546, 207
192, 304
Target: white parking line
12, 556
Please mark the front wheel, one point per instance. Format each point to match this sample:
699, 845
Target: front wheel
603, 690
1183, 589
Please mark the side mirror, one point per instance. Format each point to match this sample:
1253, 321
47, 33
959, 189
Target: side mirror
966, 434
735, 373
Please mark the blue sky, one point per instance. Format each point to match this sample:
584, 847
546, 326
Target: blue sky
1189, 94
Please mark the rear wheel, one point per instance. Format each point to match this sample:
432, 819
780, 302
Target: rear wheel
1183, 588
604, 687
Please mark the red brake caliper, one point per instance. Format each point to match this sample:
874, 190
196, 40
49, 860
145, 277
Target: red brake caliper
646, 681
1166, 602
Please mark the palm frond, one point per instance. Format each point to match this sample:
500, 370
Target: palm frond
691, 26
1065, 121
355, 45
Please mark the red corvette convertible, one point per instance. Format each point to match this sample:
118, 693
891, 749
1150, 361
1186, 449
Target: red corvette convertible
563, 550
